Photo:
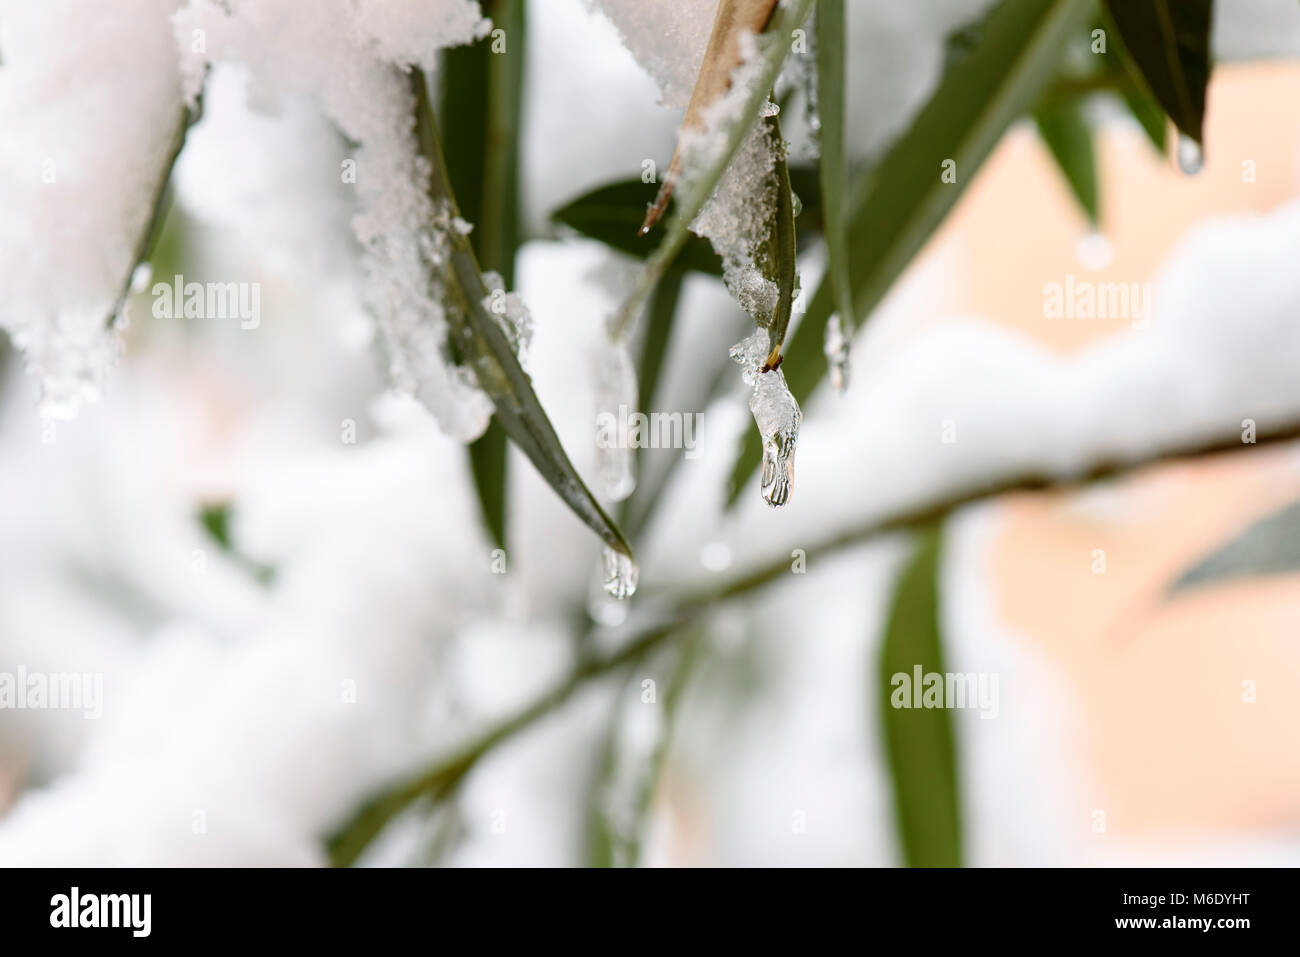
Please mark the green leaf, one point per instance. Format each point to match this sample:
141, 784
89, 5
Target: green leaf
1149, 115
776, 259
1170, 43
1270, 546
483, 343
480, 113
831, 165
1067, 133
613, 214
663, 309
919, 741
894, 209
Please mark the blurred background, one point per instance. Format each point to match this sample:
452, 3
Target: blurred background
279, 566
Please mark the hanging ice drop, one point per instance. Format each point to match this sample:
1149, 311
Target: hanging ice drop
777, 415
620, 573
836, 347
1190, 156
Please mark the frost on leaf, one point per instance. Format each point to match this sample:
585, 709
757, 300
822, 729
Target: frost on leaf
351, 56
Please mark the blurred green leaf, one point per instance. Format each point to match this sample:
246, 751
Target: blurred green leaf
1149, 115
894, 208
613, 215
1067, 133
1170, 43
1270, 546
485, 347
480, 113
658, 331
919, 741
831, 165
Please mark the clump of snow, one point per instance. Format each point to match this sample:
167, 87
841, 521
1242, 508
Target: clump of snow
667, 37
351, 58
511, 314
737, 221
89, 104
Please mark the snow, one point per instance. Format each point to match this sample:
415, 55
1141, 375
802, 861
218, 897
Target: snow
86, 139
244, 720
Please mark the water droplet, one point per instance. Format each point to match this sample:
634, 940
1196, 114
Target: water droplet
769, 108
620, 573
1094, 251
141, 276
1190, 156
796, 202
715, 556
836, 348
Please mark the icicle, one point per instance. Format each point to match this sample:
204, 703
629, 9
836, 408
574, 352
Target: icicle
776, 413
1190, 156
616, 401
836, 347
620, 574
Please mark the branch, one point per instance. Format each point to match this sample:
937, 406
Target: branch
439, 780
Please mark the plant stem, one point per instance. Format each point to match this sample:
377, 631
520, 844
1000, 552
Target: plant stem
438, 780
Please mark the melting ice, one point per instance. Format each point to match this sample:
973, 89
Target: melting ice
776, 413
620, 573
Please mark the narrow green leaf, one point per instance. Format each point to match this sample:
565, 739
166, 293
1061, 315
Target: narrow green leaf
488, 352
1270, 546
613, 214
894, 209
488, 462
831, 165
480, 113
160, 204
1149, 115
663, 309
783, 244
1170, 43
1067, 133
919, 741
